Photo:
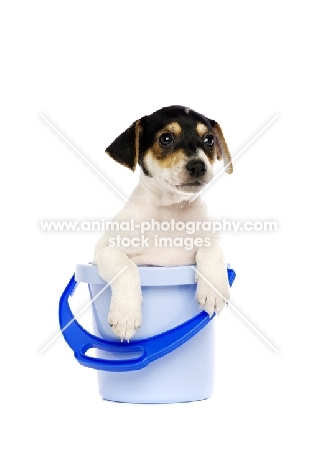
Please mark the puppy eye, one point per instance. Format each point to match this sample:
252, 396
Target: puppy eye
166, 139
209, 141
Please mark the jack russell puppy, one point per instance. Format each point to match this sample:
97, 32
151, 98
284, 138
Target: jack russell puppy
176, 148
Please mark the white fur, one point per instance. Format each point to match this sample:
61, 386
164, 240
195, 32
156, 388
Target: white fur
160, 198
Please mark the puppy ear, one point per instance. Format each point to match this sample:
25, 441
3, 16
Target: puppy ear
222, 148
125, 148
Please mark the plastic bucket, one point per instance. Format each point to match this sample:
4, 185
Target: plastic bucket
185, 374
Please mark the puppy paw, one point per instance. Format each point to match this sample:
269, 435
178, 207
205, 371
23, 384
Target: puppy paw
212, 295
125, 317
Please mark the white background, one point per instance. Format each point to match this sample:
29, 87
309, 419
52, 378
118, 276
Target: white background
92, 68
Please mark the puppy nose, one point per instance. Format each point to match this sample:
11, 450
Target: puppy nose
196, 168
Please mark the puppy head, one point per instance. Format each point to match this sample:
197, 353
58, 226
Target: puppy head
176, 146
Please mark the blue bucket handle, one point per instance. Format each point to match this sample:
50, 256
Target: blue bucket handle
149, 349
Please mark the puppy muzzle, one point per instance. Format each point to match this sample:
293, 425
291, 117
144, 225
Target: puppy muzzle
196, 168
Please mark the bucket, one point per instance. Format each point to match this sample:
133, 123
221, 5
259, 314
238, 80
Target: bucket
172, 357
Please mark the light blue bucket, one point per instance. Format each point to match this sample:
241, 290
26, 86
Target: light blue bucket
170, 360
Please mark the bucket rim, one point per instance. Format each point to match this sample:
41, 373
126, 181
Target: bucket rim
149, 275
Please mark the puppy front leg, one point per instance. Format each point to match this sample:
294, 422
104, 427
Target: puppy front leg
125, 307
212, 283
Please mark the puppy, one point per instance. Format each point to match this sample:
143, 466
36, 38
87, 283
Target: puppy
176, 148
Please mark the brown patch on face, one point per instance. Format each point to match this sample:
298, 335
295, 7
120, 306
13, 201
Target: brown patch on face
171, 159
159, 152
201, 129
212, 158
172, 127
211, 155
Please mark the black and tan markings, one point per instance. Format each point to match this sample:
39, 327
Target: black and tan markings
170, 135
